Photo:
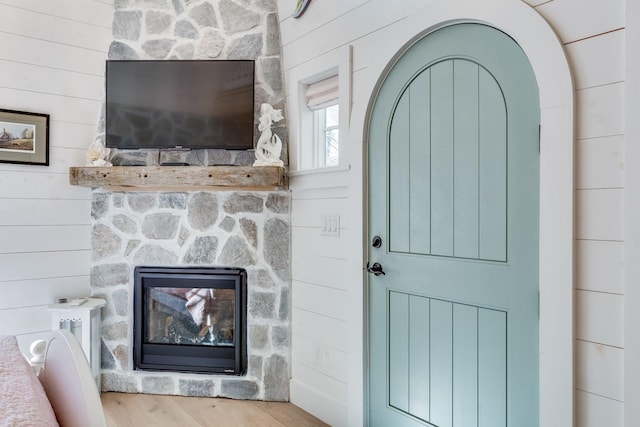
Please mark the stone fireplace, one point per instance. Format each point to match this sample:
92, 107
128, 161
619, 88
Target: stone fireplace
239, 229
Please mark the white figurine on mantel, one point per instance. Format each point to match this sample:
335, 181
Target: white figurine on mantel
269, 145
97, 154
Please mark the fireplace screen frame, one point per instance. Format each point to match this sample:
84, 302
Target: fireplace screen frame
195, 358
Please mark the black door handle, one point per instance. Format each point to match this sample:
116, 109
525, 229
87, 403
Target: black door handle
375, 269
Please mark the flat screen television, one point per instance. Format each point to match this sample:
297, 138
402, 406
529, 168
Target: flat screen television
180, 104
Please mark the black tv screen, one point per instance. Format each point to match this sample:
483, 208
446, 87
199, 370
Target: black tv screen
180, 104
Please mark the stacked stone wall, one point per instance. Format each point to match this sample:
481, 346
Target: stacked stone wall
202, 29
236, 229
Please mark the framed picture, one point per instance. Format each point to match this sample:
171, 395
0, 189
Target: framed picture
24, 137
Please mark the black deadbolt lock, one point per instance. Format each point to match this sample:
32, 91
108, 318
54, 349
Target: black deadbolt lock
376, 242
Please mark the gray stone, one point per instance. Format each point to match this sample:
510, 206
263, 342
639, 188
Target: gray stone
126, 24
183, 236
173, 200
250, 230
227, 224
159, 48
120, 300
276, 379
258, 337
219, 157
237, 253
121, 353
178, 6
106, 358
239, 389
117, 199
204, 15
119, 50
131, 246
104, 242
186, 30
285, 306
246, 47
123, 383
141, 202
278, 202
110, 275
158, 385
239, 202
236, 18
197, 388
154, 255
157, 22
185, 51
262, 305
272, 73
280, 337
277, 245
160, 226
245, 158
202, 211
99, 205
137, 158
255, 367
202, 251
115, 331
121, 4
266, 5
155, 4
125, 224
260, 278
211, 44
273, 45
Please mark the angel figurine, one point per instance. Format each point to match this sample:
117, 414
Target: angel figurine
269, 146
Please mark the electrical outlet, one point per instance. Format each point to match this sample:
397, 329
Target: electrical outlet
330, 225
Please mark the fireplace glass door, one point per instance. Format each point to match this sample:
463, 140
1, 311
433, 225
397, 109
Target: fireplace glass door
190, 319
198, 316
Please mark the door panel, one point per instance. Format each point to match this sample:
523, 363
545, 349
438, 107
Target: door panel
453, 192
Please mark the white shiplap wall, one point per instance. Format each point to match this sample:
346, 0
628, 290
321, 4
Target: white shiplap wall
327, 288
595, 46
51, 61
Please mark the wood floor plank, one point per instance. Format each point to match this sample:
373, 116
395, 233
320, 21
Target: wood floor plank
122, 410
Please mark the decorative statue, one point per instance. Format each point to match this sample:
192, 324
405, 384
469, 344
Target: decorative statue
269, 145
97, 154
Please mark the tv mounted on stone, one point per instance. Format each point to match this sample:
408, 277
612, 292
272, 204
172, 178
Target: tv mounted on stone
180, 104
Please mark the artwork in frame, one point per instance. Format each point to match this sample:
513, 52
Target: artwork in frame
24, 137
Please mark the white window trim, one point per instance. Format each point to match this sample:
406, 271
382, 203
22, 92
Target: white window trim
334, 63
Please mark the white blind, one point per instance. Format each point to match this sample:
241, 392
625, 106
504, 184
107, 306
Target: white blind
323, 93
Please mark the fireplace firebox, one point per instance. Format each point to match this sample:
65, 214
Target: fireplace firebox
190, 319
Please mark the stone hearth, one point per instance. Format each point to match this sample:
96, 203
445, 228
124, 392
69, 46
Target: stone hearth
235, 228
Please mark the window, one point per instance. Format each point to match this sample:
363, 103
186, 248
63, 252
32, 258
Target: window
319, 114
327, 136
322, 99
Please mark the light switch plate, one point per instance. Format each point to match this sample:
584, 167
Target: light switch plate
330, 225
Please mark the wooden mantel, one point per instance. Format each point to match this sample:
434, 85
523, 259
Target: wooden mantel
172, 178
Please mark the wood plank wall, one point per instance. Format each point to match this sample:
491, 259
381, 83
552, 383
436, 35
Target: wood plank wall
51, 61
323, 278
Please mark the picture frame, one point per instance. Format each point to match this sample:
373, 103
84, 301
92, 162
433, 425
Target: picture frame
24, 137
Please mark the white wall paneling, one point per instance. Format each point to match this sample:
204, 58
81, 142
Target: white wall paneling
51, 61
632, 213
600, 318
599, 369
597, 411
579, 19
600, 162
601, 266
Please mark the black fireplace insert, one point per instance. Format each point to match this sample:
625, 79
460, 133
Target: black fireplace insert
190, 319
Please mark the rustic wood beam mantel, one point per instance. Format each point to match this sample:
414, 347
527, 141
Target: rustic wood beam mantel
171, 178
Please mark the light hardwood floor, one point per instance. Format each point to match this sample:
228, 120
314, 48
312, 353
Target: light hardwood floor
147, 410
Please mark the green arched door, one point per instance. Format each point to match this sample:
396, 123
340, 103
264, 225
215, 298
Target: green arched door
453, 197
